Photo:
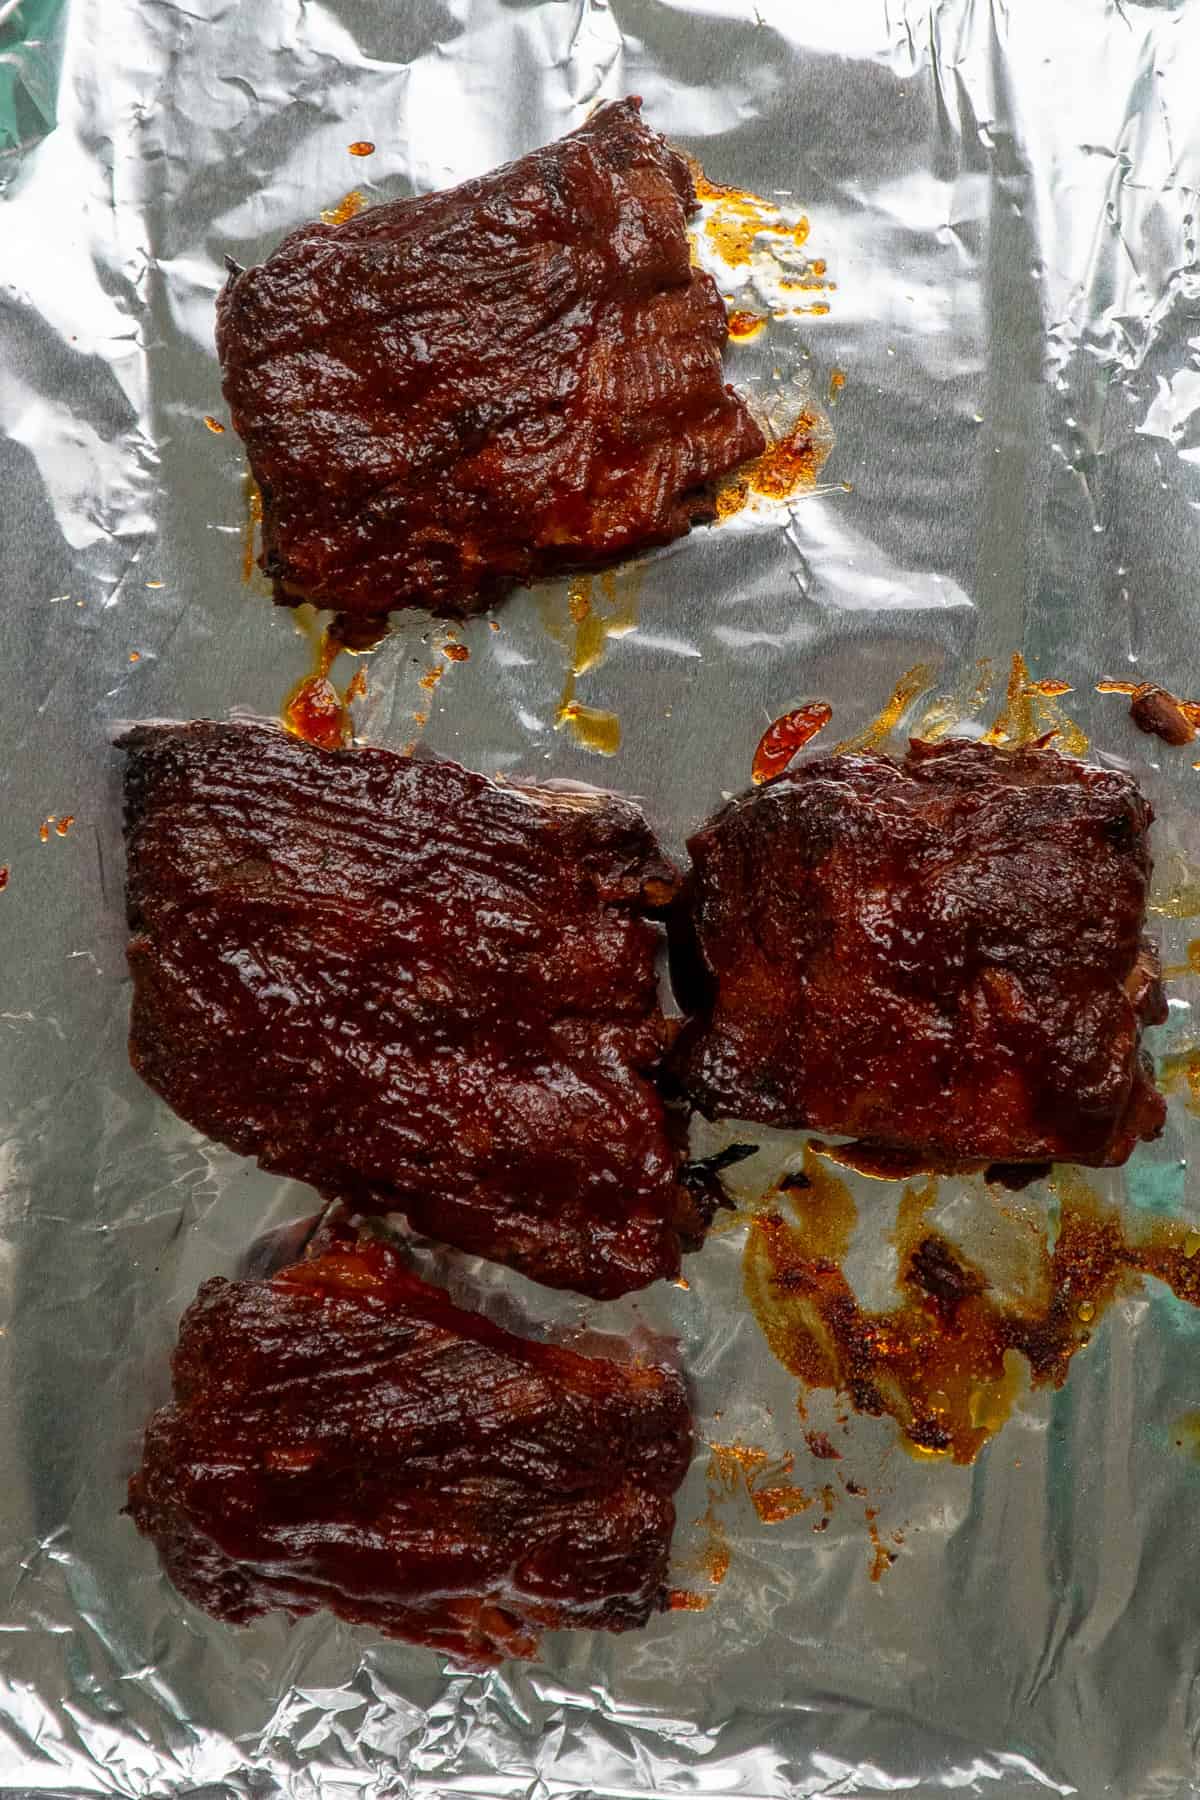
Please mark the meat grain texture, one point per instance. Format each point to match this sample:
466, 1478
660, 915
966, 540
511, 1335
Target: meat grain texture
342, 1436
449, 396
942, 958
413, 987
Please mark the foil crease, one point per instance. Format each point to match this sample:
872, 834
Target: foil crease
1005, 197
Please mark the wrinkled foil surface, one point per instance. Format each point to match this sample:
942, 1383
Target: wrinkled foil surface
1005, 198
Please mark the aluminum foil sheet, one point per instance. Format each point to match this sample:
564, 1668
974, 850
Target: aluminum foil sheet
1004, 197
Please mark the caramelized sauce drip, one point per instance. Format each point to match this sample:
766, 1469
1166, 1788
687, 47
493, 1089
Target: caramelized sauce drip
1031, 713
1176, 893
214, 424
63, 825
780, 742
348, 207
362, 147
682, 1600
790, 466
4, 877
913, 682
314, 709
949, 1361
942, 715
837, 384
254, 513
744, 325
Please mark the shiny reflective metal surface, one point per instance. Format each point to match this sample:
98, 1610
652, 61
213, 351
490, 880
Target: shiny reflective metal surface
1006, 198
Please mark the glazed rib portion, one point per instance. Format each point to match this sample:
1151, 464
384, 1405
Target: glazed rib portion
342, 1436
448, 396
414, 988
941, 957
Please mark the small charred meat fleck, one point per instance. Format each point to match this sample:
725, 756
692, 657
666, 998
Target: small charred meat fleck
413, 987
445, 397
941, 957
342, 1436
1160, 714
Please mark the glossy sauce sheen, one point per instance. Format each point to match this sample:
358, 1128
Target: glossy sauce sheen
786, 737
449, 396
942, 957
342, 1436
412, 987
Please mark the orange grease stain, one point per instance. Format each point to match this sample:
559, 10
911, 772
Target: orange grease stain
362, 147
213, 424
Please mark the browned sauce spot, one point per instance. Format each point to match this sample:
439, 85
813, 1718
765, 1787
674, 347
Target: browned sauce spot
135, 656
789, 466
213, 424
820, 1446
739, 218
44, 828
947, 1362
683, 1600
780, 741
4, 877
837, 383
63, 825
456, 652
362, 147
348, 207
357, 688
744, 324
793, 462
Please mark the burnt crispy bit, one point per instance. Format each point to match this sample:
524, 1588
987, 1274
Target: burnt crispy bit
342, 1436
942, 957
413, 987
449, 396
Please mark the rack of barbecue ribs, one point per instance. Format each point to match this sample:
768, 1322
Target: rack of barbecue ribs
449, 396
342, 1436
942, 958
418, 989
